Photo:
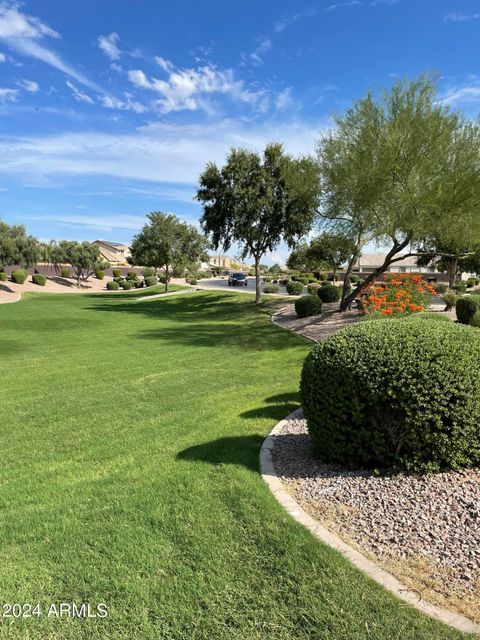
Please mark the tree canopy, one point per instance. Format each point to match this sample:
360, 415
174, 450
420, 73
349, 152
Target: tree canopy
331, 248
397, 170
257, 201
16, 248
166, 242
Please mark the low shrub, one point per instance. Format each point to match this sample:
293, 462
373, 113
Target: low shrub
65, 273
322, 275
440, 287
312, 280
132, 275
138, 284
275, 281
150, 281
266, 279
112, 285
284, 281
3, 276
471, 282
354, 278
450, 298
313, 288
466, 307
118, 279
100, 275
294, 288
270, 288
191, 280
402, 394
147, 272
117, 273
309, 305
19, 276
475, 319
326, 283
460, 287
39, 279
329, 293
432, 279
303, 280
127, 285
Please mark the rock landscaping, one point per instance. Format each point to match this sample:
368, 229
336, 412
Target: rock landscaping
424, 529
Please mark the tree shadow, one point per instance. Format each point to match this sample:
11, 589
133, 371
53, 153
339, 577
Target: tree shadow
274, 411
237, 450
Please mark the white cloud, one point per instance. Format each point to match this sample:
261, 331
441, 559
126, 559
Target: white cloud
3, 57
108, 44
80, 96
104, 222
264, 47
186, 89
28, 85
24, 34
460, 17
158, 153
8, 95
461, 95
129, 104
166, 65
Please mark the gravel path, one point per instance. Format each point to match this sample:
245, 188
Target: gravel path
316, 327
430, 522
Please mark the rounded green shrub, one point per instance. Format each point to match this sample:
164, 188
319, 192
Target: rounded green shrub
270, 288
309, 305
450, 298
126, 285
19, 276
471, 282
3, 276
354, 278
402, 394
329, 293
191, 280
322, 275
117, 273
460, 287
65, 273
303, 280
138, 284
312, 289
147, 272
294, 288
150, 281
284, 281
267, 279
100, 274
132, 275
118, 279
112, 285
475, 319
466, 307
39, 279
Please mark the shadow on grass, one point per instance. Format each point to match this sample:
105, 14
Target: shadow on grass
238, 450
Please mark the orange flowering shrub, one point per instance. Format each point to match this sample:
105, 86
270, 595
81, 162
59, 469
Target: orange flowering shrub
397, 293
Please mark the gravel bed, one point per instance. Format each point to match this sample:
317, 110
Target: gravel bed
316, 327
434, 517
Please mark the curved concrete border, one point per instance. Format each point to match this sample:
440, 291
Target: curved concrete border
367, 566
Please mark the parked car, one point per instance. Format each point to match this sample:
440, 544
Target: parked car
237, 278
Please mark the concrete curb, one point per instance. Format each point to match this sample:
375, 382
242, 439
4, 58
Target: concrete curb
367, 566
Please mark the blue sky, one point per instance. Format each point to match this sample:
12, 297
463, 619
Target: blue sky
110, 109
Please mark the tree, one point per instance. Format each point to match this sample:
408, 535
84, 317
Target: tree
256, 201
275, 269
16, 248
297, 260
166, 242
398, 170
332, 248
83, 257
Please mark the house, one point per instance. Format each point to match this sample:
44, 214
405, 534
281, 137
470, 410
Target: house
113, 252
370, 261
220, 261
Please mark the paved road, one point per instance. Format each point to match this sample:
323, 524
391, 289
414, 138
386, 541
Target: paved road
219, 283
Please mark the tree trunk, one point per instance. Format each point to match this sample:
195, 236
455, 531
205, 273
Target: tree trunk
258, 293
166, 278
389, 259
346, 281
452, 271
334, 273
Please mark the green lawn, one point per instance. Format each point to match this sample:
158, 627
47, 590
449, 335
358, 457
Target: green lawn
130, 438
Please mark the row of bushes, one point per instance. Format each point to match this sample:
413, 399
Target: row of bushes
19, 276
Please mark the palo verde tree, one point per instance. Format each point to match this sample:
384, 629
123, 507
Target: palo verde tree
16, 248
333, 249
255, 202
165, 242
398, 170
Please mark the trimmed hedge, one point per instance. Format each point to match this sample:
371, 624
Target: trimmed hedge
100, 275
310, 305
191, 280
132, 275
19, 276
270, 288
39, 279
294, 288
3, 276
330, 293
322, 275
117, 273
147, 272
450, 298
475, 320
466, 307
354, 278
313, 288
138, 284
112, 285
440, 287
150, 281
460, 287
65, 273
126, 285
402, 394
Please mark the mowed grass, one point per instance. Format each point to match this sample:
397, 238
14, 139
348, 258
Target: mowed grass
130, 434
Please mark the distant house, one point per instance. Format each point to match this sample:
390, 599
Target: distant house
370, 261
114, 252
220, 261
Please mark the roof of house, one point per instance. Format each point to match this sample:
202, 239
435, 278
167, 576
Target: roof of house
110, 256
115, 245
377, 259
